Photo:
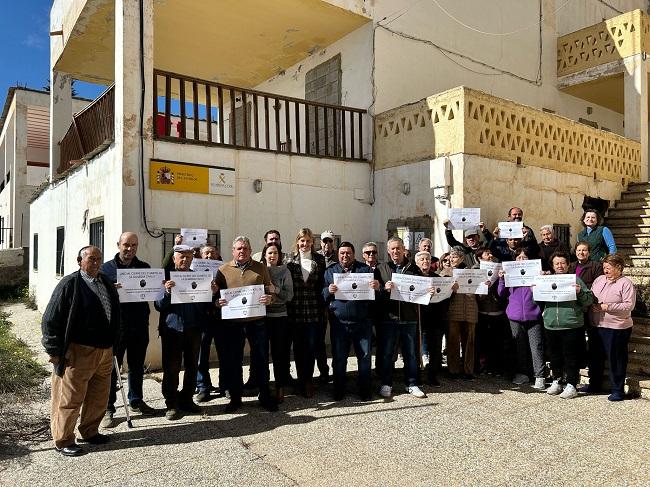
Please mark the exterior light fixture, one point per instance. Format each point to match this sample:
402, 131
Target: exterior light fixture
257, 185
406, 188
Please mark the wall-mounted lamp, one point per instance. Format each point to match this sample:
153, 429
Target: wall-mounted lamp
406, 188
257, 185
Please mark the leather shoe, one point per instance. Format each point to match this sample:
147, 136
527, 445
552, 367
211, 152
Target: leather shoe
173, 414
190, 407
232, 406
96, 439
73, 450
143, 408
203, 396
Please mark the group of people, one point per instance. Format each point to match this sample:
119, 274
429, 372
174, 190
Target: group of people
504, 332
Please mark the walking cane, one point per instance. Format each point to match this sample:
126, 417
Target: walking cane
126, 404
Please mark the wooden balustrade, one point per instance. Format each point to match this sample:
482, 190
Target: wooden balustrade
92, 130
204, 112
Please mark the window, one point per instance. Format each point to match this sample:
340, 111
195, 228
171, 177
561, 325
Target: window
35, 253
2, 230
323, 85
97, 233
562, 232
214, 238
60, 240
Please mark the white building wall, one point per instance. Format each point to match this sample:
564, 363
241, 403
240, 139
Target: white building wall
91, 191
409, 70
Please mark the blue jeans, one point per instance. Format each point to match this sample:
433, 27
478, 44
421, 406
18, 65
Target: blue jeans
203, 380
137, 340
342, 335
389, 331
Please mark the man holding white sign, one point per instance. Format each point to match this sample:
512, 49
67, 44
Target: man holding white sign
397, 319
349, 289
135, 323
515, 214
180, 335
244, 272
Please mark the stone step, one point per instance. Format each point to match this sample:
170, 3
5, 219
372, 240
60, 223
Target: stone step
632, 239
637, 260
636, 194
633, 249
634, 384
641, 326
640, 346
635, 218
622, 228
638, 186
633, 212
638, 367
630, 204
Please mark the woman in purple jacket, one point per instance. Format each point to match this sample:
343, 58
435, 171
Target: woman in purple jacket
527, 329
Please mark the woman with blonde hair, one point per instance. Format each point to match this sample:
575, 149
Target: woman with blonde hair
307, 309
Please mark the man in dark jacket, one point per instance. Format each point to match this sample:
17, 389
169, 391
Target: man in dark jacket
180, 336
499, 246
81, 325
548, 246
397, 319
135, 322
350, 323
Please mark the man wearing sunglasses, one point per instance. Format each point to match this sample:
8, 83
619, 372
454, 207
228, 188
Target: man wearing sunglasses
370, 254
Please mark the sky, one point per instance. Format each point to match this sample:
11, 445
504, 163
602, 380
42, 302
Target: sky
25, 53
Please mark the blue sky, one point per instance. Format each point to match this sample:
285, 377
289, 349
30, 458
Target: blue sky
25, 40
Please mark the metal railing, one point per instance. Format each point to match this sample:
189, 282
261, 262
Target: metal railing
212, 113
6, 237
92, 131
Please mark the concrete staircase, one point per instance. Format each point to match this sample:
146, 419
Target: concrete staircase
629, 221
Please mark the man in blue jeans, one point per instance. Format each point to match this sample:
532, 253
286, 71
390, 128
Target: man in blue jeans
350, 323
397, 319
135, 322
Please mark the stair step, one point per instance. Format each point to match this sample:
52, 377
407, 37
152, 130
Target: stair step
632, 203
635, 211
634, 384
636, 218
633, 239
641, 327
633, 249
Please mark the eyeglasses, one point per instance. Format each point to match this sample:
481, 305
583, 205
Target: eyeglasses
328, 240
446, 261
370, 252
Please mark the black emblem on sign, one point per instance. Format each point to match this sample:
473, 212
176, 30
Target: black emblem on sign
354, 285
438, 290
463, 219
469, 281
194, 285
143, 283
244, 300
554, 286
489, 273
523, 272
411, 287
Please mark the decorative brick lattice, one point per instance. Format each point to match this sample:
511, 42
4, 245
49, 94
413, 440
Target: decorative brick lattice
607, 41
468, 121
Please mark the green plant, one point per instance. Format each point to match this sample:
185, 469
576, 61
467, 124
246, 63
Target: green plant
21, 373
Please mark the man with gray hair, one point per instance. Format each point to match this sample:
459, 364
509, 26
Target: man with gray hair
549, 245
81, 326
239, 272
397, 319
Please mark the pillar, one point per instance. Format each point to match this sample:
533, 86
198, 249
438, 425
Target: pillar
60, 115
636, 106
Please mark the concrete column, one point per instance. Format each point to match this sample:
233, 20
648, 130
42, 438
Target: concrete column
128, 85
20, 209
636, 106
60, 114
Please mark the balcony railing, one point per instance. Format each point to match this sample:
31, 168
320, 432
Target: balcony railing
610, 40
92, 131
204, 112
462, 120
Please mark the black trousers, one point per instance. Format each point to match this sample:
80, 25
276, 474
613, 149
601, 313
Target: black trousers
566, 349
135, 347
179, 348
613, 343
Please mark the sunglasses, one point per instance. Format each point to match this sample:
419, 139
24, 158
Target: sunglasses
370, 252
328, 240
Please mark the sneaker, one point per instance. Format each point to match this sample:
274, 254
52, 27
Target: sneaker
615, 397
569, 392
172, 414
520, 379
555, 388
385, 391
540, 384
108, 421
416, 392
203, 396
143, 408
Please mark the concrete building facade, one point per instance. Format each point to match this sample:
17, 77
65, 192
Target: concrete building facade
370, 118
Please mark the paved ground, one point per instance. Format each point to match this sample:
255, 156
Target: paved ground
486, 432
